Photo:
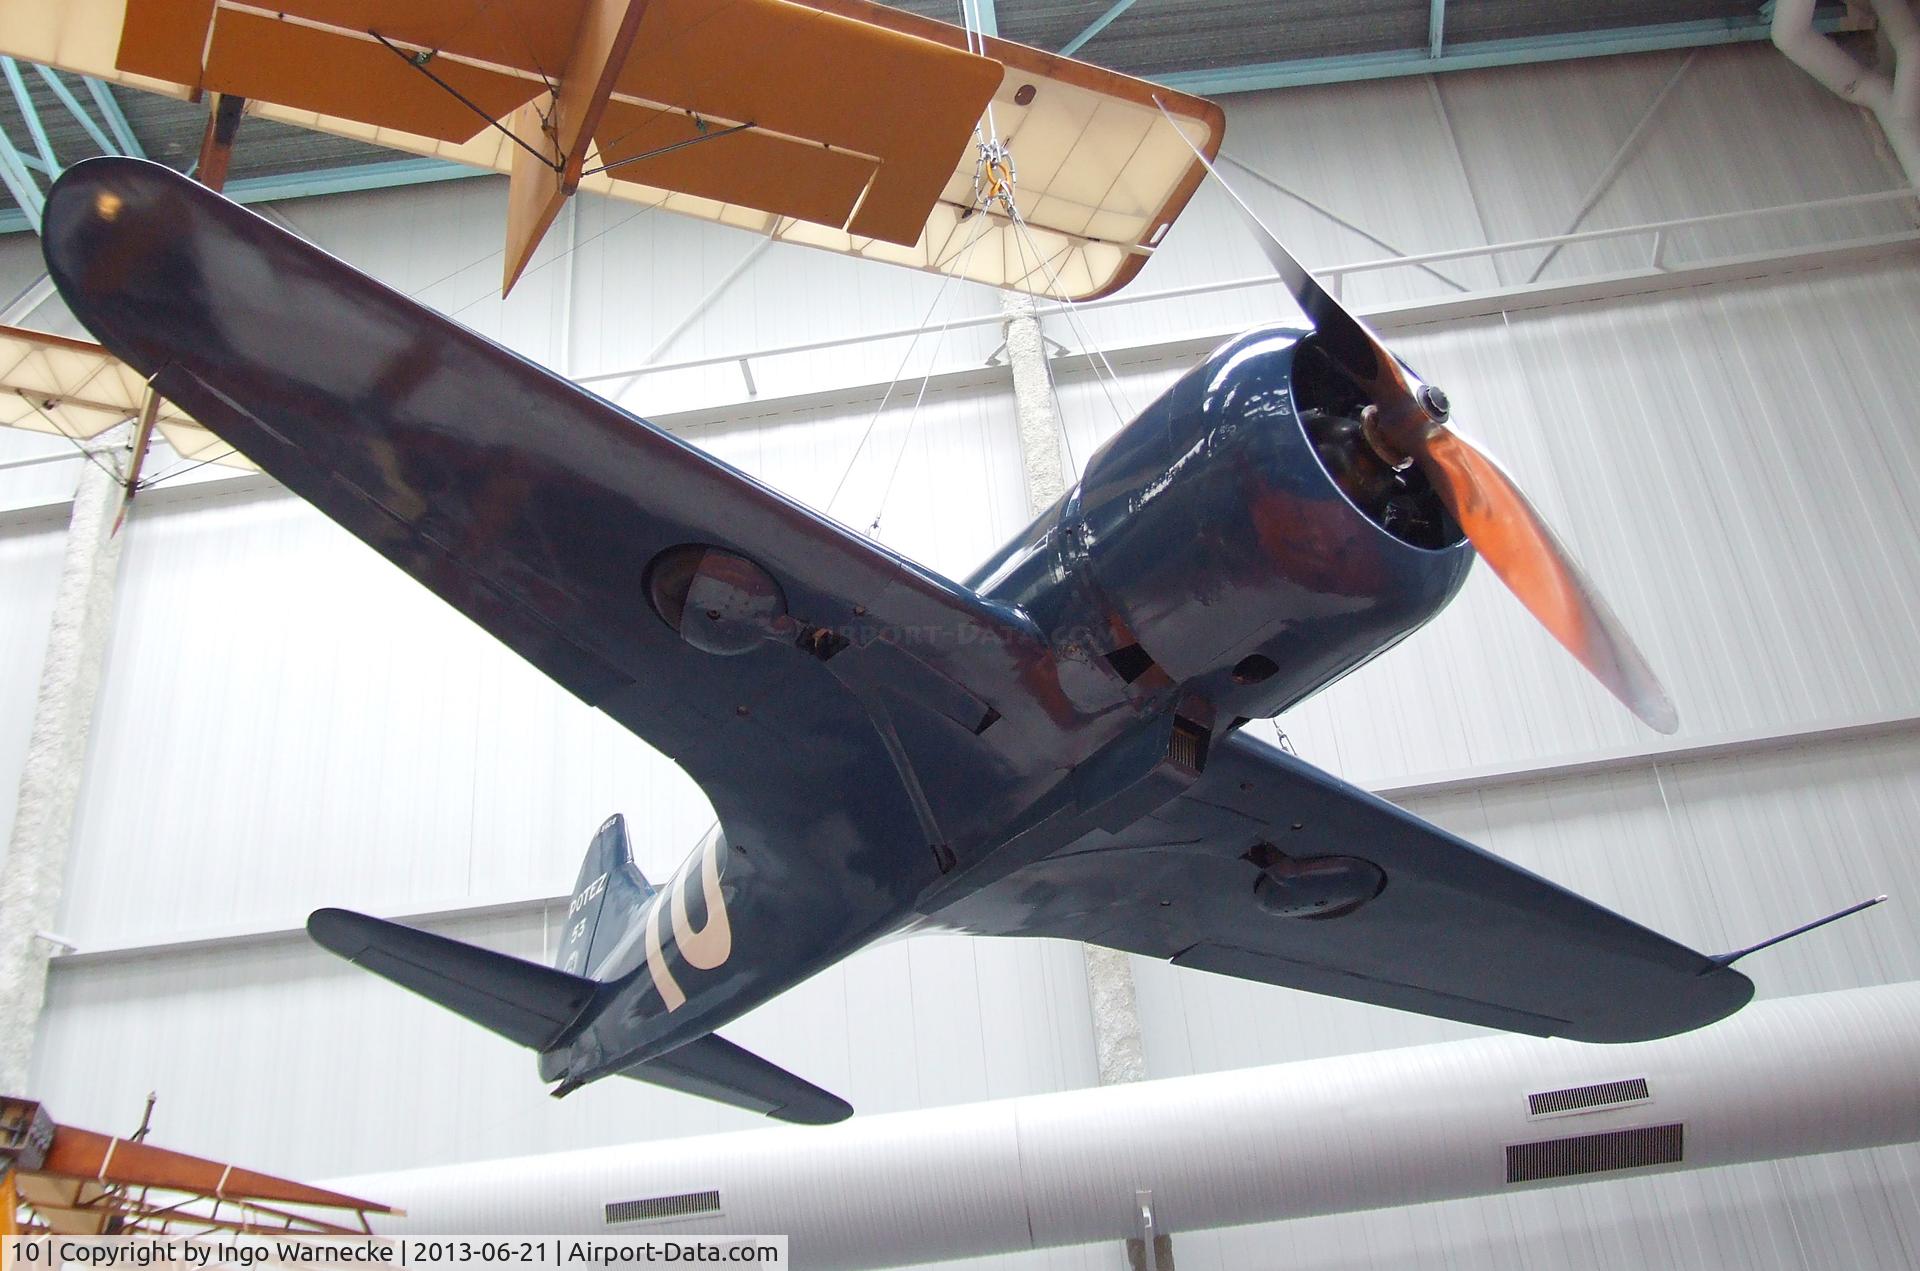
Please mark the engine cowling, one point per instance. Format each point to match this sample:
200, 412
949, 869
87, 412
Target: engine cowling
1242, 535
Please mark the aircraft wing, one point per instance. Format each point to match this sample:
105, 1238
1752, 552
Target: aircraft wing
538, 509
1454, 932
76, 389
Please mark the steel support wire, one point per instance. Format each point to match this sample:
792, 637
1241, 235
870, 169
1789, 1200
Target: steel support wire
946, 277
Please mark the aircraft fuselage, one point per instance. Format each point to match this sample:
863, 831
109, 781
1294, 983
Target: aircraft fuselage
1209, 567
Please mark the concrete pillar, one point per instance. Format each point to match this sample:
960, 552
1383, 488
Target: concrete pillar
1110, 991
1040, 450
35, 866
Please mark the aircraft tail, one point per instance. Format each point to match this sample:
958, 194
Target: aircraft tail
520, 1000
543, 1007
609, 894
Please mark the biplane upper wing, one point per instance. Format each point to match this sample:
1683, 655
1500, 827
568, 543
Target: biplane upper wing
842, 124
545, 514
1444, 928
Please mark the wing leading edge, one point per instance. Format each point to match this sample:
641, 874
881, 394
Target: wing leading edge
532, 506
1454, 932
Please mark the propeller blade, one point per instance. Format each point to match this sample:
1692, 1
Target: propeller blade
1345, 336
1409, 420
1510, 535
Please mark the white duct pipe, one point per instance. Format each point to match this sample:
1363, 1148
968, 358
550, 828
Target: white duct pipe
1894, 99
1788, 1077
1782, 1078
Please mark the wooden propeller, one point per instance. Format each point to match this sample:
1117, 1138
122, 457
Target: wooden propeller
1408, 423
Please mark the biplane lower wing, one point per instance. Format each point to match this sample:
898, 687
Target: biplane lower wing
1246, 874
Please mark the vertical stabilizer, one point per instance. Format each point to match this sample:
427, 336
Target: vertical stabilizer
608, 896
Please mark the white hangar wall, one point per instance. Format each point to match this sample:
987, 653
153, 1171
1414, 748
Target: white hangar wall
287, 721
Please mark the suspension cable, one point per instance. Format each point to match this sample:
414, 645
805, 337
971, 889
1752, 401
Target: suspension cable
913, 416
946, 277
1072, 312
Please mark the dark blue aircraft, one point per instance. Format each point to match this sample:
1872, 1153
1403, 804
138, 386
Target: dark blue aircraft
1051, 748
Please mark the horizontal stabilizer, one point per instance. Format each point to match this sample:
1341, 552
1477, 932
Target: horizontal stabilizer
714, 1068
519, 1000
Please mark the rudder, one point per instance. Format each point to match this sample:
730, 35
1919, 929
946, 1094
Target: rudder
609, 893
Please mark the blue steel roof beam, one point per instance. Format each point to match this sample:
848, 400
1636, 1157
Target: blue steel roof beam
65, 97
30, 115
1436, 27
14, 175
986, 18
1095, 27
1479, 54
116, 119
297, 185
359, 176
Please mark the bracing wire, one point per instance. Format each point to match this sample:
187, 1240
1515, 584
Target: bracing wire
946, 277
1053, 390
977, 43
1070, 307
549, 262
698, 89
913, 416
185, 466
418, 61
645, 124
79, 444
1055, 289
526, 42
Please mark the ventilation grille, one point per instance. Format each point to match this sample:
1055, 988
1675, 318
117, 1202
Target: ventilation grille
654, 1208
1594, 1153
1188, 745
1582, 1098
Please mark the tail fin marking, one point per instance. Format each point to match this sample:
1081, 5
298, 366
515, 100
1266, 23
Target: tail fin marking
609, 884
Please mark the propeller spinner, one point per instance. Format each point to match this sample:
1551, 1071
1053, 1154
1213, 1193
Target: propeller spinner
1408, 423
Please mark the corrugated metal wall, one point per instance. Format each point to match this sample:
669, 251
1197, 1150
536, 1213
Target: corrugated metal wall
287, 721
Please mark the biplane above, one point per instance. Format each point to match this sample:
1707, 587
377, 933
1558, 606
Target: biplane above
77, 390
61, 1180
841, 124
